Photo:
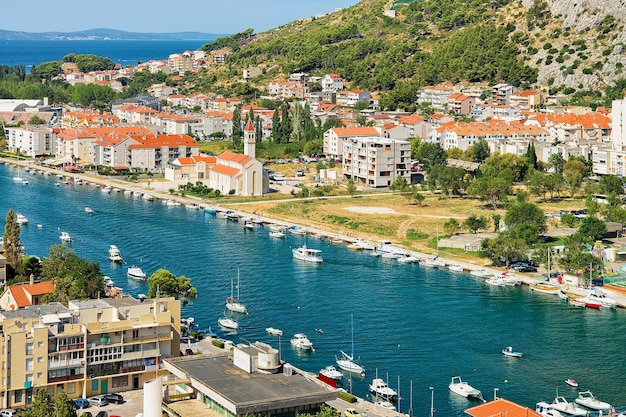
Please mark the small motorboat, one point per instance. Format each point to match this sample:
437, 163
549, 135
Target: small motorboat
21, 219
136, 273
89, 210
386, 404
508, 351
273, 331
563, 406
306, 254
331, 372
228, 323
300, 341
115, 254
464, 389
65, 237
277, 234
456, 268
571, 382
586, 399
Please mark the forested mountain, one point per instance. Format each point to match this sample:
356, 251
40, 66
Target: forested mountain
528, 43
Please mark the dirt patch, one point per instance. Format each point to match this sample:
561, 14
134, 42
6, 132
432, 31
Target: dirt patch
371, 210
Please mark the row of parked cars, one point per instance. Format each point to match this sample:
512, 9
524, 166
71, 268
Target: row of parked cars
99, 400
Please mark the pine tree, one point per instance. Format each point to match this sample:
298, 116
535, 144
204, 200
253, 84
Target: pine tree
258, 129
276, 126
285, 124
237, 129
12, 244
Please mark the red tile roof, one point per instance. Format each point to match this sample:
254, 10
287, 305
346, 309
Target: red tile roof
22, 293
226, 170
501, 408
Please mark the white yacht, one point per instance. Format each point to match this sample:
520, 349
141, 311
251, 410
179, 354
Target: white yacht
115, 254
136, 273
586, 399
228, 323
379, 388
561, 405
464, 389
65, 237
597, 295
300, 341
21, 219
233, 304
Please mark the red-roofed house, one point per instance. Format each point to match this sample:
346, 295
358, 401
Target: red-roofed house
437, 96
526, 100
154, 152
460, 104
24, 295
191, 169
333, 138
332, 83
500, 408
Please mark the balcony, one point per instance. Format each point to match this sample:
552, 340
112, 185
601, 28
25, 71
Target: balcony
65, 363
78, 346
65, 378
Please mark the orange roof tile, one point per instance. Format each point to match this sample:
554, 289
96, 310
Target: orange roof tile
21, 292
500, 408
235, 157
226, 170
356, 131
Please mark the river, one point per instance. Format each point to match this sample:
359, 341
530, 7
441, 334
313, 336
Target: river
416, 327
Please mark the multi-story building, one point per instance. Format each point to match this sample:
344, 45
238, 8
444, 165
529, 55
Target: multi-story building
500, 93
181, 63
437, 96
335, 137
376, 162
332, 83
30, 140
92, 347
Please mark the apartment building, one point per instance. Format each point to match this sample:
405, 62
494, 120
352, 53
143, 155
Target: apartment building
437, 96
376, 162
181, 63
335, 137
91, 347
30, 140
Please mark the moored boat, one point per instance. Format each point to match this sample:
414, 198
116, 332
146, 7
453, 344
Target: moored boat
228, 323
114, 254
379, 388
136, 273
274, 331
21, 219
586, 399
598, 296
277, 234
233, 304
545, 288
480, 273
65, 237
331, 372
462, 388
456, 267
571, 382
300, 341
561, 405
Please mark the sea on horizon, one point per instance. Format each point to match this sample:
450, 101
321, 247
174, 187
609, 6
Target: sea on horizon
123, 52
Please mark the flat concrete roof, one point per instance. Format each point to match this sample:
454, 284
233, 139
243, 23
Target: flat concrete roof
256, 391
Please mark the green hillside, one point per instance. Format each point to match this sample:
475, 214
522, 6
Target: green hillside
427, 42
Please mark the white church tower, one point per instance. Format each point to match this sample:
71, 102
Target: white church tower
249, 140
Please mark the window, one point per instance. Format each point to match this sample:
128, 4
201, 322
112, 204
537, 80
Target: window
39, 359
29, 348
40, 343
39, 375
29, 364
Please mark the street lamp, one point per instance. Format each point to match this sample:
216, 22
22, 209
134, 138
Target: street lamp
432, 401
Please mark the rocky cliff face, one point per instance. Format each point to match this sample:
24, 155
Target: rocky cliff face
584, 49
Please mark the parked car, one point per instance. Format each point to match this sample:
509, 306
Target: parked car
114, 398
99, 400
352, 412
8, 412
189, 352
101, 414
81, 403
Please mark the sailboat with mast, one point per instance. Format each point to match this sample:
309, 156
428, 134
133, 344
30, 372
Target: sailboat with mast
346, 362
233, 304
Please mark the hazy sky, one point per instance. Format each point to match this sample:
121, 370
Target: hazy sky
208, 16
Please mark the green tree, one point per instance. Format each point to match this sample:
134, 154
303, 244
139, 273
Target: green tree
451, 226
496, 222
504, 247
574, 172
494, 190
525, 221
41, 406
480, 150
611, 184
12, 245
430, 154
474, 223
401, 185
556, 162
237, 128
592, 229
418, 198
350, 187
63, 406
168, 284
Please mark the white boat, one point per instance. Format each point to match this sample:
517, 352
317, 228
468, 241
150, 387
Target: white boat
386, 404
331, 372
408, 260
508, 351
277, 228
480, 273
364, 244
277, 234
543, 409
127, 192
379, 388
297, 230
571, 382
300, 341
586, 399
148, 197
21, 219
233, 303
137, 194
597, 295
561, 405
545, 288
228, 323
115, 254
347, 361
172, 203
89, 210
456, 268
274, 331
428, 263
136, 273
247, 224
305, 254
65, 237
386, 246
231, 215
106, 189
464, 389
496, 281
510, 279
210, 209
